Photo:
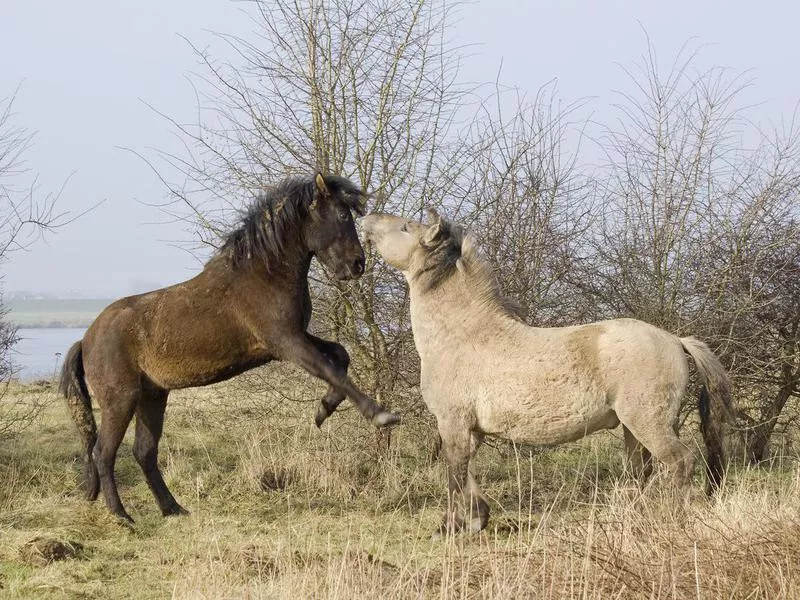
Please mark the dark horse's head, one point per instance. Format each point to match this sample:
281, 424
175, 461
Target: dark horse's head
303, 215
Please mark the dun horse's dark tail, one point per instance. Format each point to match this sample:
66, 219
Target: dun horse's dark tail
714, 406
73, 385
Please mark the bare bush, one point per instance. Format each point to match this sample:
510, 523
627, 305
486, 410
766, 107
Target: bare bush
24, 218
362, 90
526, 202
682, 226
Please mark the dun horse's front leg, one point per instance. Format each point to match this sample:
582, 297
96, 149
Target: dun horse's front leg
303, 352
466, 508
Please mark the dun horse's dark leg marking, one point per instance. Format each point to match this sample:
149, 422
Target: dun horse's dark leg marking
339, 358
149, 424
117, 414
305, 353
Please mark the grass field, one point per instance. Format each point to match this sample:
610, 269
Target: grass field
280, 509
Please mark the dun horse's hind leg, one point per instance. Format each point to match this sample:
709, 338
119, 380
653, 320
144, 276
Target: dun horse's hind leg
640, 461
338, 357
117, 412
660, 439
149, 424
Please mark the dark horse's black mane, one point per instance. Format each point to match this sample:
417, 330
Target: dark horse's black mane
277, 214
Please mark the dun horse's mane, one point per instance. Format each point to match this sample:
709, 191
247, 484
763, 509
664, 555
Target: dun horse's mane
275, 218
455, 251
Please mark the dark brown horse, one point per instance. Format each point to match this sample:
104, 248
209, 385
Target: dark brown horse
249, 305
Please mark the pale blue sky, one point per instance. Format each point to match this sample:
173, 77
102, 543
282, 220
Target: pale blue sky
87, 68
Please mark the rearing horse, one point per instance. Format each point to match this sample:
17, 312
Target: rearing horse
248, 306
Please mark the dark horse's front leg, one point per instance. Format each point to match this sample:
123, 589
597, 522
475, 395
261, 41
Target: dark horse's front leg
338, 357
304, 352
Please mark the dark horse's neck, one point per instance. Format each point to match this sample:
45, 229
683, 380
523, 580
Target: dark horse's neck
290, 272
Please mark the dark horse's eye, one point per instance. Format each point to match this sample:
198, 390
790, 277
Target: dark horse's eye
344, 215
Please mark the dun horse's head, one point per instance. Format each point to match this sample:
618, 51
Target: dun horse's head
330, 231
412, 247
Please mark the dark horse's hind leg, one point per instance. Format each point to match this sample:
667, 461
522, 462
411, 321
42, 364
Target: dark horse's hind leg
91, 477
338, 357
116, 416
149, 424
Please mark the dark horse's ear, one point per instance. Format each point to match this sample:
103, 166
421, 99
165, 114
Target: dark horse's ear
322, 190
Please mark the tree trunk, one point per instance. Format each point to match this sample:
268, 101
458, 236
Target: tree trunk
759, 436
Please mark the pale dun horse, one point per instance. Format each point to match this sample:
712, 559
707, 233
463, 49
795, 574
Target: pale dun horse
485, 372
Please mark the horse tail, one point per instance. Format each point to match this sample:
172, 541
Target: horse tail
714, 406
72, 385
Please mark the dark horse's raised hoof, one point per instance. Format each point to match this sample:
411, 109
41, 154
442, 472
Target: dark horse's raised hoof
322, 414
385, 419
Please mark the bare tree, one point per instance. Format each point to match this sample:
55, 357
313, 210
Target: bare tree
682, 226
756, 287
671, 170
526, 201
365, 90
24, 217
700, 234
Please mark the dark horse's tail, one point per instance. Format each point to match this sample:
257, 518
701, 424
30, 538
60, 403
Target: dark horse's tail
714, 406
73, 385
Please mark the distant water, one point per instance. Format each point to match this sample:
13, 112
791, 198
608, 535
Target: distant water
40, 352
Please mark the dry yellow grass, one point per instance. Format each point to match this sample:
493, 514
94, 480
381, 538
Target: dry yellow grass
282, 510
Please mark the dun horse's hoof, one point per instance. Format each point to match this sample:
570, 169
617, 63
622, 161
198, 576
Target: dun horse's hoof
385, 419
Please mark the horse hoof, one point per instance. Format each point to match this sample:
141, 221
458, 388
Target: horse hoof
124, 519
175, 511
476, 525
385, 419
321, 415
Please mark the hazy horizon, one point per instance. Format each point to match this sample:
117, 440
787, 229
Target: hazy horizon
88, 71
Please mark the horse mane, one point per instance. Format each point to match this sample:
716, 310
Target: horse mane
276, 215
454, 251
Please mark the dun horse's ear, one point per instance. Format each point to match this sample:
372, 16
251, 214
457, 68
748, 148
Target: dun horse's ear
432, 235
322, 190
433, 217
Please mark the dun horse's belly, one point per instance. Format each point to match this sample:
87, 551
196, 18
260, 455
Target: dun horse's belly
544, 417
556, 429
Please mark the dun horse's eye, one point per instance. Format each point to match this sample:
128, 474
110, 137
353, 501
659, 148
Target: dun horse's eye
404, 227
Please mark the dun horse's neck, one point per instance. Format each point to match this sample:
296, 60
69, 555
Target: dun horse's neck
448, 316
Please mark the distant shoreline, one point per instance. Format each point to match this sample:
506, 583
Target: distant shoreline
53, 313
53, 325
